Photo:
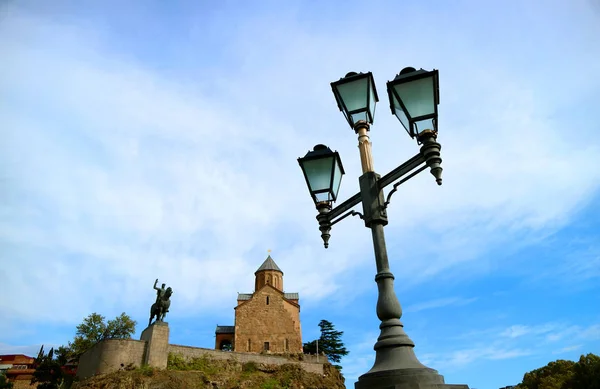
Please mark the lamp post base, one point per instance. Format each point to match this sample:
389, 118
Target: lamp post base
405, 379
396, 365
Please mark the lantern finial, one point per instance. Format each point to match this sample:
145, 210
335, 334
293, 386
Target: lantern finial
407, 70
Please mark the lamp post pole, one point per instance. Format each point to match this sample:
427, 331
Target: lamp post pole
395, 361
413, 99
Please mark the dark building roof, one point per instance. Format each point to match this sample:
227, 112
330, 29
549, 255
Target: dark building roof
269, 264
225, 329
244, 296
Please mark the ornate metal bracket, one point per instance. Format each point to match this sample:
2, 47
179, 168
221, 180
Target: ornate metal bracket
351, 213
402, 181
371, 194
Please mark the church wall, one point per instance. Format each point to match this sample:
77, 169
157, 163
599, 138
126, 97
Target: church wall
257, 323
294, 313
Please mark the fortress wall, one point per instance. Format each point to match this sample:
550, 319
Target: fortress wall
188, 352
108, 355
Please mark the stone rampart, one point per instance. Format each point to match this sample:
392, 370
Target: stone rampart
110, 355
188, 352
153, 350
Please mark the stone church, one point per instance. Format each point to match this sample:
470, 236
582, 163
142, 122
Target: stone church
267, 320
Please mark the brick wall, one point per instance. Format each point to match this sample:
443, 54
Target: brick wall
277, 323
188, 352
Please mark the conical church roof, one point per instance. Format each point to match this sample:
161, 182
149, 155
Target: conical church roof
269, 264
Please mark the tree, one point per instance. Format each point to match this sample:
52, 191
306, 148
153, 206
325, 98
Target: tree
4, 384
48, 373
552, 376
561, 374
586, 373
94, 329
330, 343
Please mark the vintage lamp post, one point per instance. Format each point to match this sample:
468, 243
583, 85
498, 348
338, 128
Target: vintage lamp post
413, 98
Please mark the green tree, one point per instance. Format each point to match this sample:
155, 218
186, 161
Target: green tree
552, 376
62, 355
330, 343
586, 373
4, 384
94, 329
561, 374
48, 373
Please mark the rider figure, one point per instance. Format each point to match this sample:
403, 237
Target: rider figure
161, 306
160, 292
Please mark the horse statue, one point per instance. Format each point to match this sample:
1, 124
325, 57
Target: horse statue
163, 301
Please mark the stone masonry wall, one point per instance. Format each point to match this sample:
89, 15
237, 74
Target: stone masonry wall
24, 384
277, 323
108, 355
113, 354
197, 352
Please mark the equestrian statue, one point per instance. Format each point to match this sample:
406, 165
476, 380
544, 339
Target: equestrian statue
163, 301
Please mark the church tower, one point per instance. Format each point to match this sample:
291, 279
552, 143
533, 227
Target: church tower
267, 320
268, 274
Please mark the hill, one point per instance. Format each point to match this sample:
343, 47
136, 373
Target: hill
217, 374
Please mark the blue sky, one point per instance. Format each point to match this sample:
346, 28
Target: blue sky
147, 139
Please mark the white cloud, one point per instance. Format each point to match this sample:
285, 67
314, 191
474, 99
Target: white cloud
439, 303
515, 341
567, 349
119, 174
31, 351
517, 331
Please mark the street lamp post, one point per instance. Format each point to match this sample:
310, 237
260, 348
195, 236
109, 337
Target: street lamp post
413, 98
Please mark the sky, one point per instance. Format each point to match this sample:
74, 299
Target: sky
151, 139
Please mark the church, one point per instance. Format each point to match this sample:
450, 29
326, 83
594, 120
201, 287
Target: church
267, 320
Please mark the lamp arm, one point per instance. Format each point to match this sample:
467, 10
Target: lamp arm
350, 213
345, 206
401, 170
384, 181
402, 181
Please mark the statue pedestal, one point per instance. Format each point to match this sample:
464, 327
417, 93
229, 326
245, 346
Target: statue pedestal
156, 337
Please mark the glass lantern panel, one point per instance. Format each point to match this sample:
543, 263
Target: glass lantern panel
323, 196
417, 96
318, 173
401, 116
425, 124
372, 102
359, 116
354, 94
337, 179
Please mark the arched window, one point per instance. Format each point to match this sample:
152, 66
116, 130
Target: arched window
267, 300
